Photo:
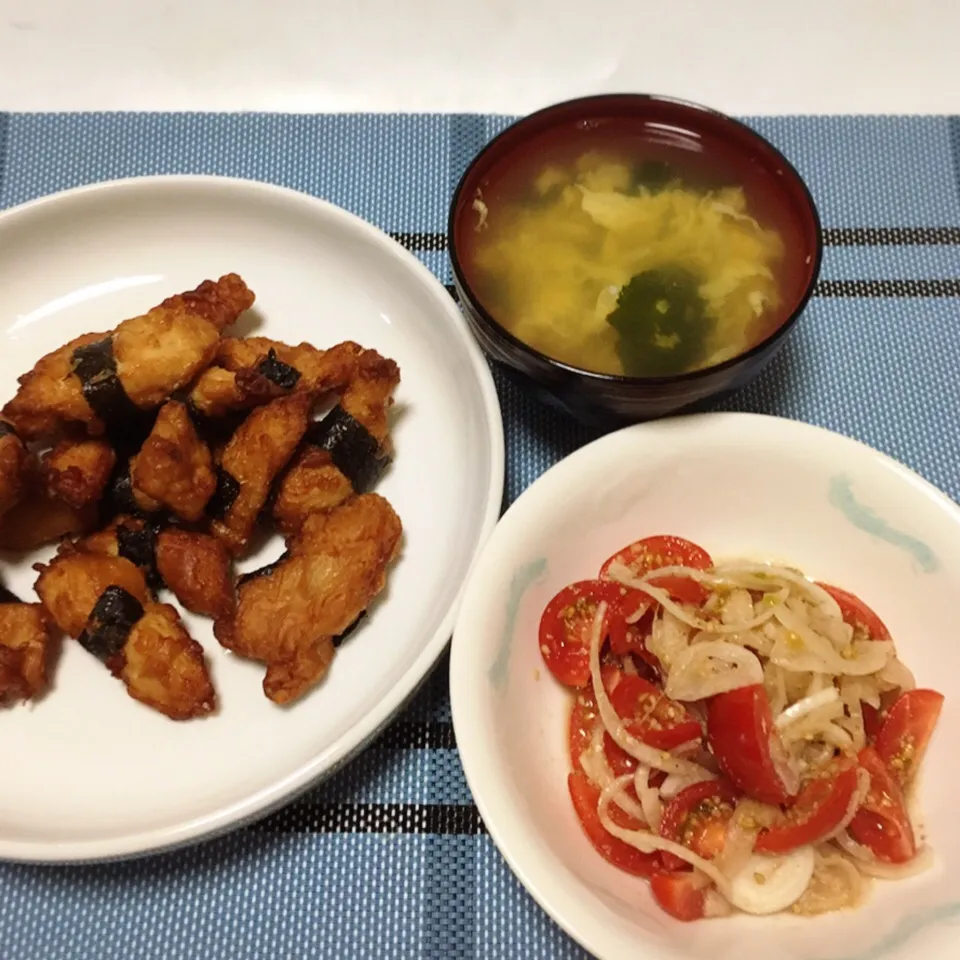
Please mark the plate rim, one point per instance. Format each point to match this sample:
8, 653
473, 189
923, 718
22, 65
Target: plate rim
232, 816
492, 804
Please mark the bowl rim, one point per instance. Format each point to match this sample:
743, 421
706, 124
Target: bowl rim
497, 329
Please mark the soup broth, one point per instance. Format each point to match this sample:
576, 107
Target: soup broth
631, 249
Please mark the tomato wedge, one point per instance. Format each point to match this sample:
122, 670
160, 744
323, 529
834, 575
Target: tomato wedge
567, 625
652, 553
866, 624
585, 797
745, 743
585, 717
819, 809
682, 895
698, 817
905, 733
881, 823
651, 716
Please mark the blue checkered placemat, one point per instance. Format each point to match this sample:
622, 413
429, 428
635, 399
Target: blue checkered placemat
389, 859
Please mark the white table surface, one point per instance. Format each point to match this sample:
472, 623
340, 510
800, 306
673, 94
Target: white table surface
511, 56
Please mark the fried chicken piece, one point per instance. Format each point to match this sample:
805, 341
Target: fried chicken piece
312, 484
289, 614
198, 569
104, 602
369, 395
251, 371
15, 465
336, 461
195, 566
26, 633
174, 468
253, 456
38, 519
164, 667
78, 471
102, 380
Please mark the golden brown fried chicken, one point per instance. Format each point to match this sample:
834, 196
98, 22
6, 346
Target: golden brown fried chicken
15, 467
344, 454
37, 520
251, 371
195, 566
198, 569
174, 468
78, 471
253, 456
104, 602
369, 395
312, 484
164, 667
25, 638
102, 380
289, 614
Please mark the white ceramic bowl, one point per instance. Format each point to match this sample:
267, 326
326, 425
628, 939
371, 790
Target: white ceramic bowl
740, 485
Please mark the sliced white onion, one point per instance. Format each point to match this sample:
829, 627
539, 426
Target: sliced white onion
649, 797
659, 759
647, 842
764, 573
668, 637
851, 848
623, 575
801, 708
922, 862
859, 795
706, 669
677, 782
896, 675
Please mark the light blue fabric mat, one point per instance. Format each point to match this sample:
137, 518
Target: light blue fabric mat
390, 859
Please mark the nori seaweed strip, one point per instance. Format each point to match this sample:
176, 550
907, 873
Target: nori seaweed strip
110, 623
263, 571
8, 596
337, 640
118, 497
277, 372
228, 489
6, 429
96, 367
139, 546
354, 451
214, 430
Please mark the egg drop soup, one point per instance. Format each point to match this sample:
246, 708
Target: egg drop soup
623, 248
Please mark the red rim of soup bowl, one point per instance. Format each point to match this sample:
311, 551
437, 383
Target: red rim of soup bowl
794, 196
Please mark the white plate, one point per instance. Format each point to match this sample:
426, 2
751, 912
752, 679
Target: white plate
740, 485
90, 773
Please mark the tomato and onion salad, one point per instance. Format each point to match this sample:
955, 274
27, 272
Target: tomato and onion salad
729, 712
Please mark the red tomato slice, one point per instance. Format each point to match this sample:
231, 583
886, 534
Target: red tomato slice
567, 624
584, 717
698, 817
652, 553
682, 589
745, 743
679, 894
651, 716
819, 809
585, 797
903, 738
866, 624
619, 761
872, 721
882, 824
